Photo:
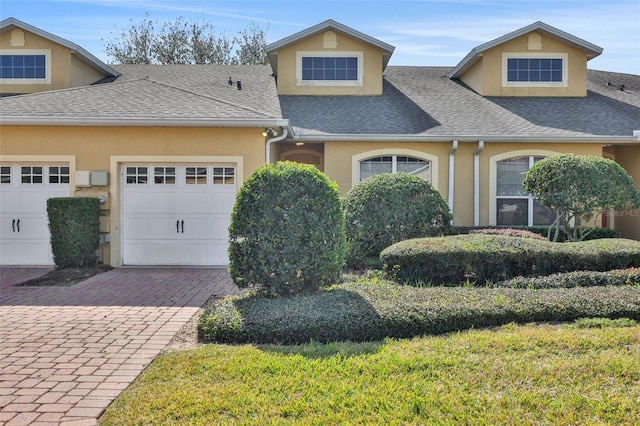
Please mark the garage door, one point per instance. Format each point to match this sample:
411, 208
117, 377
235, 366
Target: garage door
176, 214
24, 229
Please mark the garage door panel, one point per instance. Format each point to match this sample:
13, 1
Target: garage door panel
182, 223
24, 225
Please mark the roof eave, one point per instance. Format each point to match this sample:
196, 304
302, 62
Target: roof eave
75, 49
142, 122
591, 49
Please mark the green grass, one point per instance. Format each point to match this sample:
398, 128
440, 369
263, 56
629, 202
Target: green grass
564, 374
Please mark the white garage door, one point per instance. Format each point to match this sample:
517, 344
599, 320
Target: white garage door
24, 225
176, 214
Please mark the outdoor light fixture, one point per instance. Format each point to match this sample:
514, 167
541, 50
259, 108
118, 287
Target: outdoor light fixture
268, 132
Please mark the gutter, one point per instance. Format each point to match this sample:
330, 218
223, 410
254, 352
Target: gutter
452, 165
143, 122
476, 183
466, 138
267, 147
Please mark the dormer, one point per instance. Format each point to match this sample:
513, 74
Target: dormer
329, 59
537, 60
33, 60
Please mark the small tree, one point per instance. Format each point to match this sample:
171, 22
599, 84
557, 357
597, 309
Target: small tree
186, 42
575, 186
387, 208
287, 230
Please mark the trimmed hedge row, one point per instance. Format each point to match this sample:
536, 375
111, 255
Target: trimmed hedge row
629, 276
368, 311
482, 258
593, 233
74, 223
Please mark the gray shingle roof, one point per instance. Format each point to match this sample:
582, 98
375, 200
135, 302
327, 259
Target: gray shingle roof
160, 91
422, 101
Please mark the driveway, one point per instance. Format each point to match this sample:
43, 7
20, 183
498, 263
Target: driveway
67, 352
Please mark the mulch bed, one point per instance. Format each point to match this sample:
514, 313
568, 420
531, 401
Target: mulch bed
66, 276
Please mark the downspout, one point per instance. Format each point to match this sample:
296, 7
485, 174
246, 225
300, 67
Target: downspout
452, 165
476, 183
283, 136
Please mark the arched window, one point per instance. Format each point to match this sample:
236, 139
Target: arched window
515, 206
395, 164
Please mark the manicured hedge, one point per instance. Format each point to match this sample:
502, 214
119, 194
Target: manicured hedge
287, 230
367, 311
74, 224
629, 276
481, 258
593, 233
386, 208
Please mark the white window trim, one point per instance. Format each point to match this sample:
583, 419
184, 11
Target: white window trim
493, 176
356, 159
516, 55
47, 61
329, 83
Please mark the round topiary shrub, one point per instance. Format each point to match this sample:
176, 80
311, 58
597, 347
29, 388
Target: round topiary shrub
388, 208
287, 230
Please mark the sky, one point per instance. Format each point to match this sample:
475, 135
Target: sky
424, 32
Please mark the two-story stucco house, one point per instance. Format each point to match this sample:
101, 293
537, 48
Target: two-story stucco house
166, 147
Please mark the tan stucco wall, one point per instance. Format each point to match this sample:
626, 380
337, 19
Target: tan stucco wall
338, 160
66, 70
105, 148
492, 70
473, 77
287, 64
627, 222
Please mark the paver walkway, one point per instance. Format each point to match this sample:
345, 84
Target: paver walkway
67, 352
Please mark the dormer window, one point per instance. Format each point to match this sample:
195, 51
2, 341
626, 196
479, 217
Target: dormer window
329, 68
534, 70
24, 66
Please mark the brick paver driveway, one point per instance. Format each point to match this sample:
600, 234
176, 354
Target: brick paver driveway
67, 352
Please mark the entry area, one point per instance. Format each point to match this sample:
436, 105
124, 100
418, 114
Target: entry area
176, 214
24, 225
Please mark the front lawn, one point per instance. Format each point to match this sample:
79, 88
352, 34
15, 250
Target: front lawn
565, 374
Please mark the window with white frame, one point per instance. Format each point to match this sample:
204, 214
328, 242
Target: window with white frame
25, 66
395, 164
534, 69
515, 206
329, 68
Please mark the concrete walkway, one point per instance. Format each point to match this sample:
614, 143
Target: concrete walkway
67, 352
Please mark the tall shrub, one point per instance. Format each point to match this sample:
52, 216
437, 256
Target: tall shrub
74, 224
287, 230
388, 208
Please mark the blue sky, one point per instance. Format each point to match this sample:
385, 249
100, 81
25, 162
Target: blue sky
424, 32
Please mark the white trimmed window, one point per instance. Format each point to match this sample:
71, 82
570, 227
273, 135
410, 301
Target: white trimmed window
534, 69
25, 66
395, 164
515, 206
329, 68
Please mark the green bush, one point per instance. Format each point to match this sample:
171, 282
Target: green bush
374, 310
74, 224
388, 208
616, 277
287, 230
481, 258
510, 232
591, 233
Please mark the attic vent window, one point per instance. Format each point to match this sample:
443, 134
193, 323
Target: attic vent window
535, 42
17, 38
330, 40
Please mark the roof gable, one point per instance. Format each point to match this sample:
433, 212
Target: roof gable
476, 53
330, 24
12, 23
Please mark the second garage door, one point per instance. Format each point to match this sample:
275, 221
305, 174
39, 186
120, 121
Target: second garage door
176, 214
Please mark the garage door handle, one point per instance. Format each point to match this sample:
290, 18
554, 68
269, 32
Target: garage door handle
178, 226
13, 225
182, 226
18, 225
